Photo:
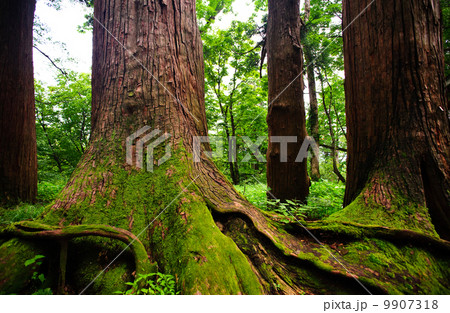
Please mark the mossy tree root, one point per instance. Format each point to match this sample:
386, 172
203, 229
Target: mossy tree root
317, 256
35, 230
358, 231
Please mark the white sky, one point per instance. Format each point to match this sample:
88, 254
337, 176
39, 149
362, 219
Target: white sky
62, 25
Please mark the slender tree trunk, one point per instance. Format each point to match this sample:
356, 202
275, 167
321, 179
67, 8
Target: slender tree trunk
398, 128
313, 104
18, 161
334, 152
287, 179
313, 119
232, 158
234, 166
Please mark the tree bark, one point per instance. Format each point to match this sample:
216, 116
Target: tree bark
18, 160
398, 129
157, 81
234, 165
286, 117
313, 104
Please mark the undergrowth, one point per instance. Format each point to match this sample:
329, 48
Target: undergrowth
152, 284
47, 192
20, 212
325, 198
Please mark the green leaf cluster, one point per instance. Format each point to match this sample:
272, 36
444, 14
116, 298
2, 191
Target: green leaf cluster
63, 114
152, 284
38, 278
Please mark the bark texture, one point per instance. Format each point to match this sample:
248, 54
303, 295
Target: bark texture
18, 160
286, 117
398, 128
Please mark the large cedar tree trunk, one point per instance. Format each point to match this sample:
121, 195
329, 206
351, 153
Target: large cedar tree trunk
398, 128
286, 117
18, 160
186, 216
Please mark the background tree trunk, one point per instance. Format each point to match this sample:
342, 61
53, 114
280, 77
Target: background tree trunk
313, 104
18, 160
398, 130
334, 151
286, 116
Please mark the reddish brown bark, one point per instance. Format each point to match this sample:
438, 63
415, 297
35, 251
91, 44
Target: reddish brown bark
286, 116
18, 161
398, 128
130, 85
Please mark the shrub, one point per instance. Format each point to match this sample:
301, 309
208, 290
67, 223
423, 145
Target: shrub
325, 198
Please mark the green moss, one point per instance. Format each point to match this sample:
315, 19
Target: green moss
89, 258
402, 214
400, 269
15, 277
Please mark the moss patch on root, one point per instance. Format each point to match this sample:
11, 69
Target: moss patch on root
401, 214
401, 269
15, 277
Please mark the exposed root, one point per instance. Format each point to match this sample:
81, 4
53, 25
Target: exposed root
35, 230
358, 231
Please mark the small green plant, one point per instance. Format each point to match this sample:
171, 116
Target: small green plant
256, 193
152, 284
38, 278
289, 209
325, 198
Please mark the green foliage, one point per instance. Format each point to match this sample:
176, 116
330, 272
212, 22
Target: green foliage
152, 284
325, 198
36, 260
321, 36
255, 193
322, 41
236, 96
48, 190
207, 11
37, 278
62, 122
287, 209
332, 124
21, 212
49, 186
